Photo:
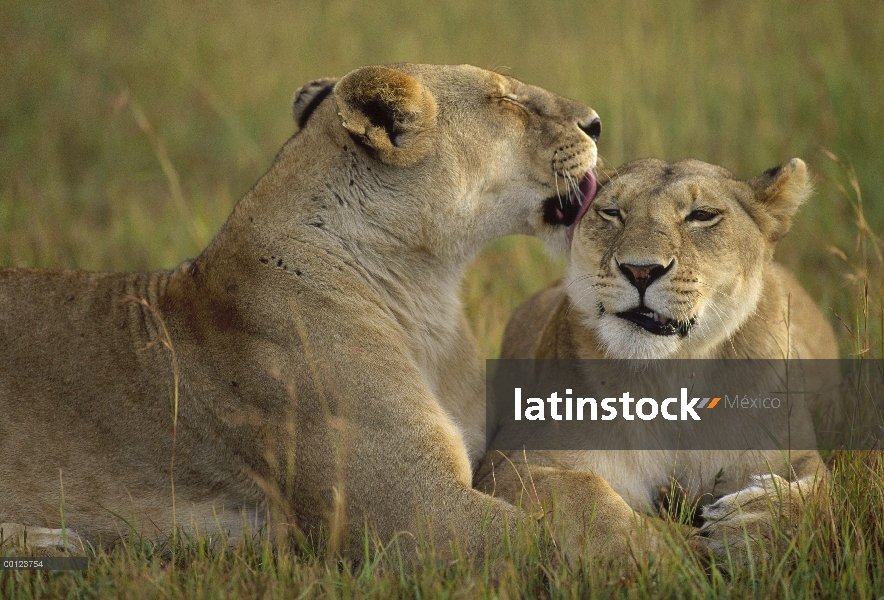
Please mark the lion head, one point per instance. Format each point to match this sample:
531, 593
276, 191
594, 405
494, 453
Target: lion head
452, 150
669, 260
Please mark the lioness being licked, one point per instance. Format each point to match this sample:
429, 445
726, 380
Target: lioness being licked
314, 362
675, 261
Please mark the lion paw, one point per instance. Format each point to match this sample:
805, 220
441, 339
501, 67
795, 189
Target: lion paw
15, 538
755, 520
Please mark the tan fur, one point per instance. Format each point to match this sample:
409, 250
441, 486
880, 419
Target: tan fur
312, 368
742, 304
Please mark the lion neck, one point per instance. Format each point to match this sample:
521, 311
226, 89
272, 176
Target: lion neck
301, 218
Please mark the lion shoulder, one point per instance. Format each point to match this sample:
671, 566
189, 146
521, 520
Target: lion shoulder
530, 321
786, 304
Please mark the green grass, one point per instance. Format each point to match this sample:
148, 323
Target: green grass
825, 561
129, 130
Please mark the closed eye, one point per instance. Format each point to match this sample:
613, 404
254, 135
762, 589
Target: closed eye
513, 99
611, 213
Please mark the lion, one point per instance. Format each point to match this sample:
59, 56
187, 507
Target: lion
311, 372
675, 261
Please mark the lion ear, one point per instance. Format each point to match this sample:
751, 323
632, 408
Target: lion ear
389, 112
779, 192
308, 97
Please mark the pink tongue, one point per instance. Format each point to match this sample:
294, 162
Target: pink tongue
589, 187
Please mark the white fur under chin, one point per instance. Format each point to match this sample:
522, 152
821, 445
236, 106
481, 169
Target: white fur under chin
623, 340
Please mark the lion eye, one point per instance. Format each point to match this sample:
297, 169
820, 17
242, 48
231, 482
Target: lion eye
612, 212
701, 215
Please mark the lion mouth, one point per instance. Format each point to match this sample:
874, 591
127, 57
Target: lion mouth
655, 323
566, 209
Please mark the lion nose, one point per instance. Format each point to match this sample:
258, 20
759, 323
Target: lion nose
591, 127
642, 276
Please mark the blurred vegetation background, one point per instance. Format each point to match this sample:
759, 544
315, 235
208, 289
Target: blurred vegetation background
128, 130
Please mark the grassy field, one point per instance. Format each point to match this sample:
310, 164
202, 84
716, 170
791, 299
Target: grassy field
129, 130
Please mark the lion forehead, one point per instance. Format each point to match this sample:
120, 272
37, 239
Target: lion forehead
671, 182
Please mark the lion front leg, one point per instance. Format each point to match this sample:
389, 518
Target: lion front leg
587, 517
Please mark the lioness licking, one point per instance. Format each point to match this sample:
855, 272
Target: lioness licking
674, 261
312, 368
